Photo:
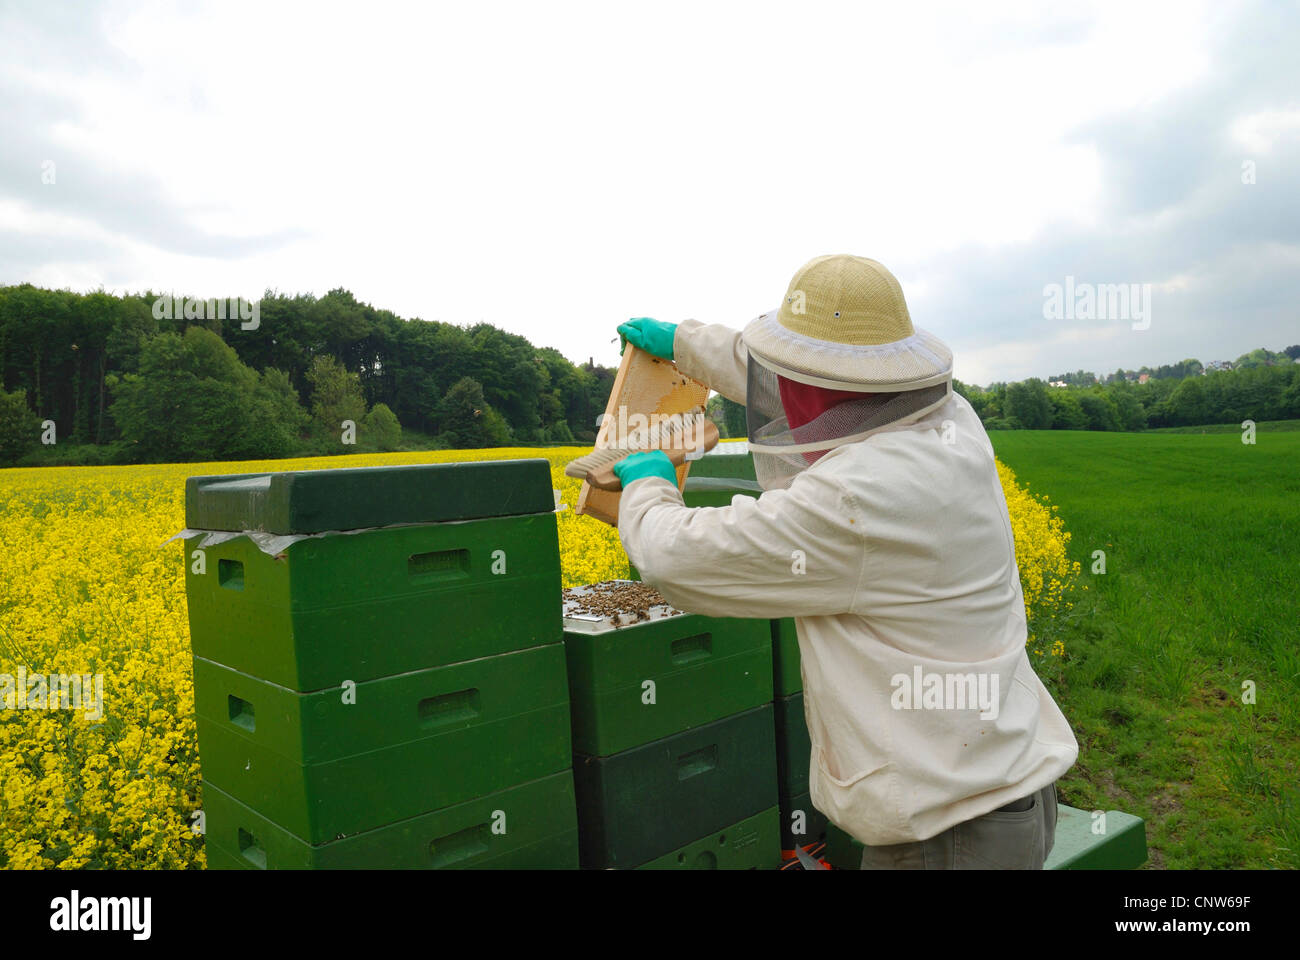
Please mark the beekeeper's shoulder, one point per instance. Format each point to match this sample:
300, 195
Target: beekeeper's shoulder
899, 451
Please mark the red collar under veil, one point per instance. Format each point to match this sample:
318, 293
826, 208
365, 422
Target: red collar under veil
804, 403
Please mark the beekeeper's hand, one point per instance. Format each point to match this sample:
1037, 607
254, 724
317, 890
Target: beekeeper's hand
653, 336
639, 466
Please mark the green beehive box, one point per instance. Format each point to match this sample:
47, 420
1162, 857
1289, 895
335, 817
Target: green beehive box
366, 605
322, 767
787, 677
314, 501
530, 826
640, 682
802, 823
716, 491
793, 748
640, 804
1123, 845
722, 462
750, 844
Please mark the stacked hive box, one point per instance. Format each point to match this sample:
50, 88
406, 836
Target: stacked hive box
674, 758
715, 479
379, 679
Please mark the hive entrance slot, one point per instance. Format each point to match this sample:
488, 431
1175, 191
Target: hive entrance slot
438, 565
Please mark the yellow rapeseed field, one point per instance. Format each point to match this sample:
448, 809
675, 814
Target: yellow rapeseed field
85, 588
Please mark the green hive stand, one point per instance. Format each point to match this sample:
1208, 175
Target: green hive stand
1122, 847
1077, 847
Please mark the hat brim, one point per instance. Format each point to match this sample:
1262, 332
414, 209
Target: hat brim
921, 360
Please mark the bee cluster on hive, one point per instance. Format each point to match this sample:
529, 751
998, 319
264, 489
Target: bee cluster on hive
621, 602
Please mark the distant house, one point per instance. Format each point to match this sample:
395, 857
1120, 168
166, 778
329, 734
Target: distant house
1057, 383
1143, 377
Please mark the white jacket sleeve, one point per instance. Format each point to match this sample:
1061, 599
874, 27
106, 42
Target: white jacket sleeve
796, 552
713, 354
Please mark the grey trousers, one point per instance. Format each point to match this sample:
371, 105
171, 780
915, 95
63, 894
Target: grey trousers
1018, 836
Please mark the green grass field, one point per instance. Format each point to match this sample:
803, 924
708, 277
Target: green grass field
1197, 605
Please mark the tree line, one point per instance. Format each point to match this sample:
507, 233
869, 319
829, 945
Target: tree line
101, 378
145, 378
1260, 386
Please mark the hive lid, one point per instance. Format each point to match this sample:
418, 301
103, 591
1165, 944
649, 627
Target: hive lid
315, 501
578, 621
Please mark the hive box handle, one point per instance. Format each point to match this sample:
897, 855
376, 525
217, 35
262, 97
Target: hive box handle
462, 845
697, 762
690, 649
241, 713
438, 565
230, 574
450, 708
251, 850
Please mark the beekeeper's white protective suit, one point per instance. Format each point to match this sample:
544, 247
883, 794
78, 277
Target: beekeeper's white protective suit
895, 556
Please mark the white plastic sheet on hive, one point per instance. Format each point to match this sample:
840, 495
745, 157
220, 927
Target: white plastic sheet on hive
596, 623
729, 448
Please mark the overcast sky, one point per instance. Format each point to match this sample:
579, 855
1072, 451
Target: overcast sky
555, 168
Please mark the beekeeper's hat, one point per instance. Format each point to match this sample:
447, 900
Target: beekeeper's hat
843, 325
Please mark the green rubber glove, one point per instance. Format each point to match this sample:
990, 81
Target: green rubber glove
653, 336
639, 466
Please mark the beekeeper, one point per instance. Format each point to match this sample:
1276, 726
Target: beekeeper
883, 531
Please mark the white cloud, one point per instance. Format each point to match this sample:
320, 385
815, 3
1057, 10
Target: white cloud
1260, 132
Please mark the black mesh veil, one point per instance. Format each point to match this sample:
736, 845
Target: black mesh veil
781, 452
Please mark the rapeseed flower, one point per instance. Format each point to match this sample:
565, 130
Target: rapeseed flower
86, 589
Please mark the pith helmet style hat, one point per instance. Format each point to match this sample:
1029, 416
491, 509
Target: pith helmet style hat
843, 326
